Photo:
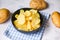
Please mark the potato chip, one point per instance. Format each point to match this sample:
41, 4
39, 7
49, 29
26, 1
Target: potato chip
28, 25
21, 19
37, 15
21, 11
37, 26
30, 18
35, 22
16, 15
27, 13
33, 11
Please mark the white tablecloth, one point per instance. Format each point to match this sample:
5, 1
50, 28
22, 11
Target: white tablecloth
51, 32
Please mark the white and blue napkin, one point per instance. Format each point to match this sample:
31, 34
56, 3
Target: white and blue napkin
13, 34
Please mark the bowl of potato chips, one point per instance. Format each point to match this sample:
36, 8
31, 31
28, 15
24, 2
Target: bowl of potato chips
27, 19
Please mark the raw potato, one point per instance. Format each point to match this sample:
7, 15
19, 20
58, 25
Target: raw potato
56, 19
38, 4
4, 15
28, 20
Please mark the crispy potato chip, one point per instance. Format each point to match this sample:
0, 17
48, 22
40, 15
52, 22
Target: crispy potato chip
33, 11
21, 11
16, 15
35, 22
21, 19
27, 13
30, 18
36, 26
28, 25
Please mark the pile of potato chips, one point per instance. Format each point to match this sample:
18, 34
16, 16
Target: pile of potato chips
28, 20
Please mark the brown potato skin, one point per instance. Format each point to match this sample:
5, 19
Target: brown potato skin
38, 4
4, 15
56, 19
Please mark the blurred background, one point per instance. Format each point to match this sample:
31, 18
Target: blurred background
51, 32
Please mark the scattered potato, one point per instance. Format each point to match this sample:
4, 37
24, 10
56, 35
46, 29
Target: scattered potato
38, 4
4, 15
56, 19
28, 20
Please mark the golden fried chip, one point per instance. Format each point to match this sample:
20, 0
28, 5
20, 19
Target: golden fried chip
21, 19
21, 11
27, 13
16, 15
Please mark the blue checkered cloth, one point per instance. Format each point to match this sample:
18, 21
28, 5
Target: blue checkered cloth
14, 34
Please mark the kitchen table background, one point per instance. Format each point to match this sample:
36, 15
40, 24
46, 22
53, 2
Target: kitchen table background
51, 32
